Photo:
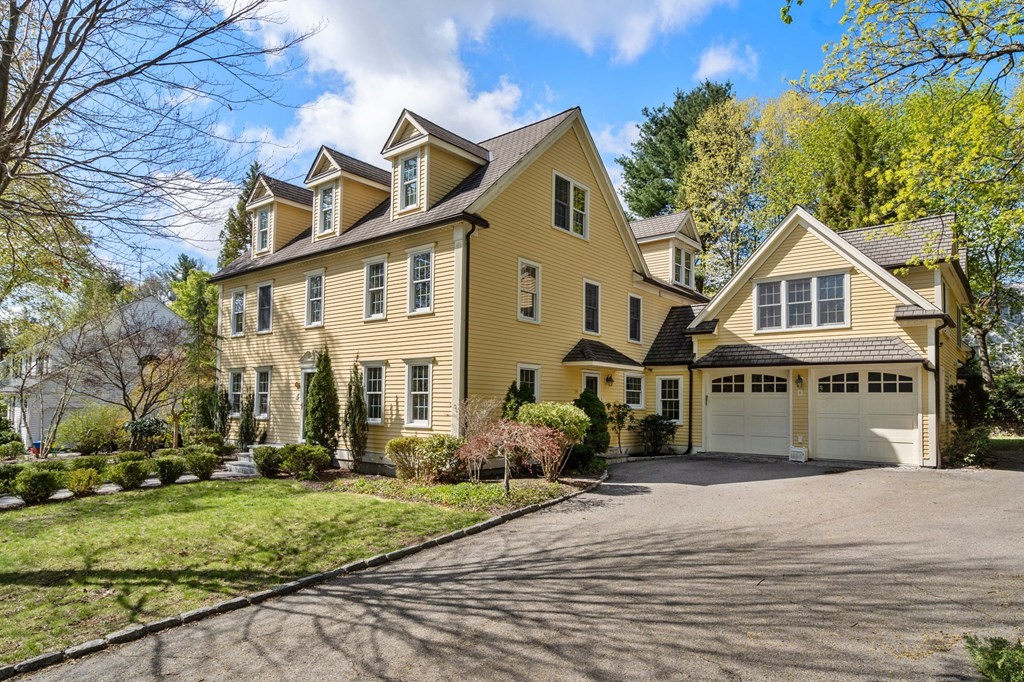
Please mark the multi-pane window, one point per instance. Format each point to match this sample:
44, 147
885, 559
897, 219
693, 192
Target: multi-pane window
315, 300
729, 384
263, 230
238, 313
235, 392
799, 311
591, 382
634, 393
420, 281
885, 382
670, 398
844, 382
769, 305
410, 190
768, 383
529, 380
809, 302
418, 399
326, 210
570, 209
682, 266
264, 304
529, 291
373, 382
262, 405
591, 307
635, 318
687, 268
832, 299
376, 281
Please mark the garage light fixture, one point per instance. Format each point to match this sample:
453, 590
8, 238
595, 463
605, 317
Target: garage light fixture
609, 380
799, 381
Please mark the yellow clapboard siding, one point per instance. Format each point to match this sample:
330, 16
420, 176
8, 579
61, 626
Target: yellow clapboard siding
445, 171
658, 256
358, 199
289, 223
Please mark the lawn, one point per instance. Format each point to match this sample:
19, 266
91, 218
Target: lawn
73, 571
1007, 443
481, 497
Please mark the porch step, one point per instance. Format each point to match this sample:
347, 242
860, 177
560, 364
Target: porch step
241, 467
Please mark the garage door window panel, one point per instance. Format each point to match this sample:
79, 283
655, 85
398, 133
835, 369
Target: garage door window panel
886, 382
768, 383
730, 384
844, 382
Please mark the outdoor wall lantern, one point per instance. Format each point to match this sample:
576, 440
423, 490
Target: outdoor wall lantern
799, 381
609, 380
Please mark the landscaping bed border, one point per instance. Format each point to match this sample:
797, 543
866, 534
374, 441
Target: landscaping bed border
138, 631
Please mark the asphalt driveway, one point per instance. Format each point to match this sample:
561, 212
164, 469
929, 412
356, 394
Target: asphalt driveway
674, 569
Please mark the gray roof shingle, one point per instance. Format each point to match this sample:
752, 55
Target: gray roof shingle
589, 350
352, 165
286, 190
448, 136
673, 345
899, 244
661, 225
812, 352
916, 312
506, 151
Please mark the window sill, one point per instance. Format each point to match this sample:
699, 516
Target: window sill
374, 422
315, 325
528, 320
235, 415
585, 331
375, 318
585, 236
265, 331
418, 425
263, 418
796, 330
407, 209
417, 313
237, 336
638, 342
635, 407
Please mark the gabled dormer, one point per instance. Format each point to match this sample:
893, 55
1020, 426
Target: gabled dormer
278, 212
670, 245
427, 163
344, 190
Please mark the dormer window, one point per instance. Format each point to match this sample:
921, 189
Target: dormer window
682, 267
263, 230
409, 192
326, 210
570, 206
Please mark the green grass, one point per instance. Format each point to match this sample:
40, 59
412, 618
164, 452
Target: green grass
1007, 443
485, 497
70, 572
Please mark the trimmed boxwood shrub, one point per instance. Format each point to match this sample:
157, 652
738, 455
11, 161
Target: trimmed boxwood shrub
56, 465
83, 482
201, 461
305, 462
35, 485
129, 475
268, 460
132, 456
9, 472
167, 452
570, 420
9, 437
404, 451
95, 462
169, 469
12, 450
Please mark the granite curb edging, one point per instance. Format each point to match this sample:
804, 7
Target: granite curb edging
137, 631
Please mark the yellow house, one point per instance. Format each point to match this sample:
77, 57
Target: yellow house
469, 265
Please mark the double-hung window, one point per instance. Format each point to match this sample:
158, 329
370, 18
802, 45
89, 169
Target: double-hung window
373, 384
264, 307
635, 318
421, 273
591, 307
670, 398
326, 210
802, 303
570, 206
529, 291
682, 267
262, 398
529, 379
235, 392
238, 313
417, 399
634, 392
409, 192
263, 230
315, 299
375, 289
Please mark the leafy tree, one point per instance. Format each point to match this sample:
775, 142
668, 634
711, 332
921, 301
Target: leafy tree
356, 427
236, 233
652, 169
247, 422
618, 416
322, 419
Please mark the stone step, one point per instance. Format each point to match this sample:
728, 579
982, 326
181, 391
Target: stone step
241, 468
245, 457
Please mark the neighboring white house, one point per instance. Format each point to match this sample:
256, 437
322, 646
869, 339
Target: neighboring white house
62, 374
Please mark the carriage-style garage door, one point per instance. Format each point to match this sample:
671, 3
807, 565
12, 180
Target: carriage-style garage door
867, 414
748, 412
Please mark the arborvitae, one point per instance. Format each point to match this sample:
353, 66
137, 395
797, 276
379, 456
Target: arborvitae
247, 422
597, 436
323, 414
356, 429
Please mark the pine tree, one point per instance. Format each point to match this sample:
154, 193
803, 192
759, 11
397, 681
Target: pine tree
322, 418
236, 235
356, 427
854, 194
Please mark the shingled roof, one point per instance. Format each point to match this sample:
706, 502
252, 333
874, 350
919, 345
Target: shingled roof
817, 352
441, 133
658, 226
673, 345
898, 244
506, 151
286, 190
588, 351
350, 164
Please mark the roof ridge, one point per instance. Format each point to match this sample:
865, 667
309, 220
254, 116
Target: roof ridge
949, 214
659, 217
529, 125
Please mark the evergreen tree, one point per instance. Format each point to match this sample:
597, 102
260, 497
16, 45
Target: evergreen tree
356, 429
651, 171
247, 422
515, 396
236, 235
322, 419
597, 438
195, 301
181, 269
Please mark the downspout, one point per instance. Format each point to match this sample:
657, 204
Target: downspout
938, 388
474, 221
689, 416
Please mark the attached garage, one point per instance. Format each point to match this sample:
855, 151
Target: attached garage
867, 413
749, 412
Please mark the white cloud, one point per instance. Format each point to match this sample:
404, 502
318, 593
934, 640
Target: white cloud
722, 60
616, 142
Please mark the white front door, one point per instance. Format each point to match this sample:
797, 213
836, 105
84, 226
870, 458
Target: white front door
748, 412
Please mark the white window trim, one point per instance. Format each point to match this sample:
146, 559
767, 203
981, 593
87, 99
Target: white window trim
409, 364
241, 391
231, 314
686, 281
402, 206
639, 339
519, 291
256, 392
320, 209
584, 308
383, 389
784, 294
586, 214
271, 327
583, 379
323, 298
536, 386
643, 389
409, 270
366, 287
657, 395
270, 240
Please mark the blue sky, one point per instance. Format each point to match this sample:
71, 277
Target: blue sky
481, 67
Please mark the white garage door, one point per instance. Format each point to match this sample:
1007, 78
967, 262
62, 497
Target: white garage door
867, 415
749, 413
